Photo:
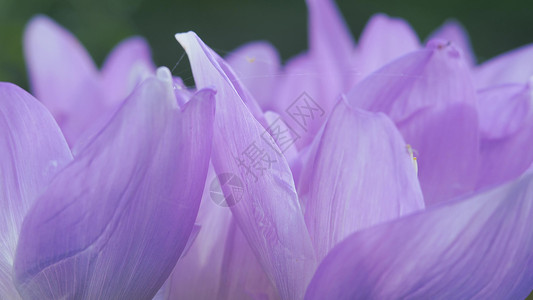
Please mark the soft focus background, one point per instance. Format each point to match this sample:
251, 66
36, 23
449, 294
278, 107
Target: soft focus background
494, 26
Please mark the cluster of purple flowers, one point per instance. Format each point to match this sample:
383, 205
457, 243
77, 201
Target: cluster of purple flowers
386, 169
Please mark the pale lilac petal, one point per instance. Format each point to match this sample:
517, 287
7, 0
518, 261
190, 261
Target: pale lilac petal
63, 76
433, 77
329, 36
503, 110
114, 222
300, 77
383, 40
511, 67
25, 125
446, 143
454, 32
181, 91
478, 248
269, 213
287, 137
258, 67
506, 121
198, 274
225, 70
242, 274
362, 174
320, 75
331, 49
125, 67
297, 166
220, 263
430, 96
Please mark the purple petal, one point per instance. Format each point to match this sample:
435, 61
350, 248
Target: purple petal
433, 77
329, 36
506, 121
289, 151
242, 275
25, 126
114, 222
269, 213
454, 32
362, 175
331, 49
227, 72
221, 264
198, 274
63, 76
503, 110
446, 142
257, 66
125, 67
430, 96
383, 40
511, 67
300, 77
320, 75
478, 248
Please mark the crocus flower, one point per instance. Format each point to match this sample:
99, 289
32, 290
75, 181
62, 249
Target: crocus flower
410, 180
384, 169
111, 221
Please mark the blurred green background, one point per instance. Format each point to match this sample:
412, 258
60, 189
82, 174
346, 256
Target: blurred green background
494, 26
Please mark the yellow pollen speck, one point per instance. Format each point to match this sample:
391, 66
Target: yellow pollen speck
411, 153
250, 59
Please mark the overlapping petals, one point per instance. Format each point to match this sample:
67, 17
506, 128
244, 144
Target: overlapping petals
454, 32
383, 40
361, 174
113, 223
258, 67
269, 213
25, 125
506, 123
409, 172
64, 77
512, 67
475, 248
357, 173
198, 274
430, 96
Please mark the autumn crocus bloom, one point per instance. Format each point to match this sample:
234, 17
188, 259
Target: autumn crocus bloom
414, 183
405, 172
